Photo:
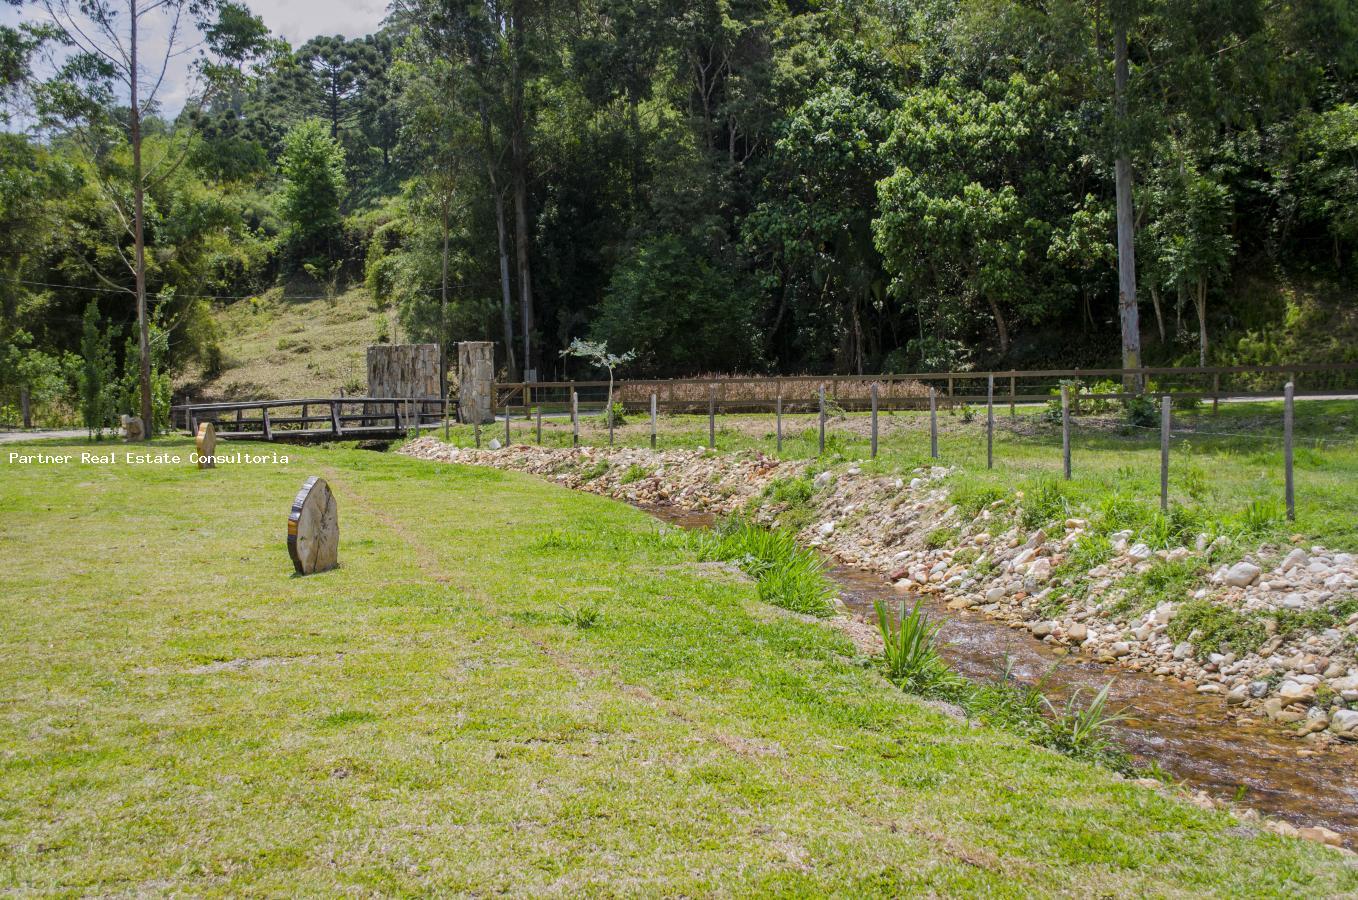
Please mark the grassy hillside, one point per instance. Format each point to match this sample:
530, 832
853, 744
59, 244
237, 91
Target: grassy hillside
429, 719
291, 342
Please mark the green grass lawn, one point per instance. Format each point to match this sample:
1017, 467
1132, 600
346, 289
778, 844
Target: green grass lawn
1220, 463
179, 714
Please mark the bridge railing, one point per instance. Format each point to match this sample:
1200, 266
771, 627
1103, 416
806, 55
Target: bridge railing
312, 418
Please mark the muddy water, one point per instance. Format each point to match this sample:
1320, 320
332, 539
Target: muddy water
1187, 734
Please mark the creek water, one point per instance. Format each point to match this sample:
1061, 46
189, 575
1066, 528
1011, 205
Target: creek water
1188, 734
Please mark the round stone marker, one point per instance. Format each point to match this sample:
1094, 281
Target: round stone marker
313, 528
133, 428
207, 445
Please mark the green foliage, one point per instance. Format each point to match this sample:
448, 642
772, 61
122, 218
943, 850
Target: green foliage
972, 497
594, 470
1214, 628
1044, 502
1163, 582
787, 574
634, 473
1079, 730
682, 310
940, 538
584, 616
97, 373
910, 656
1260, 517
312, 166
1141, 411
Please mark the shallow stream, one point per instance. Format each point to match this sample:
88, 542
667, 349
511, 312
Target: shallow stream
1188, 734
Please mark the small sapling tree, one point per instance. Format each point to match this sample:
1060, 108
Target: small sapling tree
597, 353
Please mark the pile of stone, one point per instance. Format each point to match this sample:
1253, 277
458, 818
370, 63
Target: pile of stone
909, 529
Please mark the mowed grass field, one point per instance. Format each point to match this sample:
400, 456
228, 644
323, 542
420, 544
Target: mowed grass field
179, 714
1220, 463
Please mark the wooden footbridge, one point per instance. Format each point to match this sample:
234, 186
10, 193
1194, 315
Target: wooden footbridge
315, 419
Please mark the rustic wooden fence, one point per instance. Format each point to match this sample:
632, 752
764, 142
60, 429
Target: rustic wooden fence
912, 391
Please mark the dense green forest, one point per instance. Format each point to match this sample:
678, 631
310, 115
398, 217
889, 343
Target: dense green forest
719, 185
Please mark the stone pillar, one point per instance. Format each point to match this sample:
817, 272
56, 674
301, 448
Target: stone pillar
476, 381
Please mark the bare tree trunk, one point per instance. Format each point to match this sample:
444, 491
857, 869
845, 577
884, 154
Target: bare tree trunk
1159, 313
518, 153
1000, 325
502, 244
506, 291
138, 237
1131, 325
443, 307
1200, 301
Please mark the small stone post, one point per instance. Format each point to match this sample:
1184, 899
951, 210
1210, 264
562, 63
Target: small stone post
476, 381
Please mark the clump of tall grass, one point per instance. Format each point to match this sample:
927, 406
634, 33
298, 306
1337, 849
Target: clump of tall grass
787, 574
910, 655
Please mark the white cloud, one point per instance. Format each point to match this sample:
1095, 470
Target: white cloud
300, 20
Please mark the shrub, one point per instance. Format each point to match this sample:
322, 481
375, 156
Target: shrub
1141, 411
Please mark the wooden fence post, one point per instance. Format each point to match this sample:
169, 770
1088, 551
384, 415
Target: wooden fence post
874, 420
712, 416
1065, 428
476, 427
822, 420
1216, 391
1289, 486
538, 410
1013, 396
609, 415
652, 421
990, 422
508, 440
1164, 452
575, 418
933, 422
778, 419
334, 418
445, 417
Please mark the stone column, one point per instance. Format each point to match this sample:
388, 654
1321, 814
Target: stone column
476, 381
